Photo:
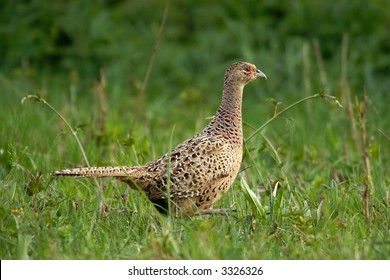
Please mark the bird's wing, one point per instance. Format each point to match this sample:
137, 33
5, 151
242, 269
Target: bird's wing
191, 167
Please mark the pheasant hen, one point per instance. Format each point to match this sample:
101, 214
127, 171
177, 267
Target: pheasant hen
198, 171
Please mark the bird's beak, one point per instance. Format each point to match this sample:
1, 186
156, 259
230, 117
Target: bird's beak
260, 74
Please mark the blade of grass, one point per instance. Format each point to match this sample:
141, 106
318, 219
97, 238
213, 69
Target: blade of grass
366, 159
155, 50
252, 198
320, 63
278, 114
346, 91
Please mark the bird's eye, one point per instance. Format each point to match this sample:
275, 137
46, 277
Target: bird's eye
248, 69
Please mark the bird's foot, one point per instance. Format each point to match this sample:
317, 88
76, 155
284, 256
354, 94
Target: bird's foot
220, 211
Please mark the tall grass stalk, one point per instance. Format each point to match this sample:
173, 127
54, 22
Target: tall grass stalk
100, 201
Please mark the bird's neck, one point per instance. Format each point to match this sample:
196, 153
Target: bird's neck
232, 100
228, 120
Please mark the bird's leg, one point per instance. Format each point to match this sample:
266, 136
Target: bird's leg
220, 211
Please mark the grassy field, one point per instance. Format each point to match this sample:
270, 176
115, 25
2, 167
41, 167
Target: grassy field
314, 182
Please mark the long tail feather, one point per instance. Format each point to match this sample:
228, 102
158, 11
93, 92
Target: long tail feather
106, 171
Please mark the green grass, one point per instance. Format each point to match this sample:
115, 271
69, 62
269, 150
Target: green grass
318, 210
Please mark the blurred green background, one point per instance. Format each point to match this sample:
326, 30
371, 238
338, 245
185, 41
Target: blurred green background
201, 37
59, 50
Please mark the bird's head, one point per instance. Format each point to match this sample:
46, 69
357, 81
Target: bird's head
243, 73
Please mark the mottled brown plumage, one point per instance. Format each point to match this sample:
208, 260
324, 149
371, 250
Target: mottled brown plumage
198, 171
